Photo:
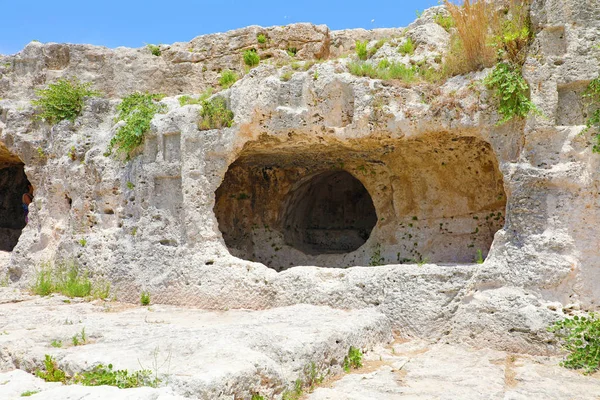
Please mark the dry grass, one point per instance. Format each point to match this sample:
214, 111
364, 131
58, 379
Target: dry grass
476, 24
487, 32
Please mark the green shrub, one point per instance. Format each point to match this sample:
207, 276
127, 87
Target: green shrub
591, 96
137, 110
511, 92
580, 336
228, 78
63, 100
408, 47
215, 114
261, 38
446, 22
353, 359
145, 298
385, 70
257, 397
251, 58
154, 49
361, 49
52, 372
123, 379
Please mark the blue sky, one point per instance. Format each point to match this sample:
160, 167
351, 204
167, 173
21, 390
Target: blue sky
115, 23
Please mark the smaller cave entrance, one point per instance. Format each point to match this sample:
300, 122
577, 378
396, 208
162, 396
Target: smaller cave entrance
330, 213
13, 186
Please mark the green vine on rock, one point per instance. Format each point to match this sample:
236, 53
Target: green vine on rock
592, 97
511, 91
136, 110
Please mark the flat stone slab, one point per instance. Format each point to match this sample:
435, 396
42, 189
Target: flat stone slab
196, 353
416, 370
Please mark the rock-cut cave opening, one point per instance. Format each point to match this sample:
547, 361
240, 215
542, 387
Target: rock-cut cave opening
300, 201
328, 213
13, 185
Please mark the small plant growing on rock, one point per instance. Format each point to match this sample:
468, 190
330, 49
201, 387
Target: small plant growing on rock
292, 51
580, 336
29, 393
63, 100
251, 58
69, 279
72, 153
52, 372
361, 49
479, 259
295, 393
154, 49
185, 100
123, 379
376, 258
79, 339
257, 396
145, 298
286, 76
261, 38
445, 21
353, 360
511, 92
56, 343
592, 97
228, 78
137, 110
407, 48
215, 114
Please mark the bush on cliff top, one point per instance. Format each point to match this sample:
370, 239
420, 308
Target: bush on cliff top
137, 110
63, 100
215, 114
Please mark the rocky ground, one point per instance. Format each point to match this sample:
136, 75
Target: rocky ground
235, 354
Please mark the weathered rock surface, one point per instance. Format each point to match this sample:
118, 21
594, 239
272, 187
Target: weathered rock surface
198, 354
234, 354
415, 370
219, 218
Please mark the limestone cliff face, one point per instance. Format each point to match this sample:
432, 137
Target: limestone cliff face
388, 192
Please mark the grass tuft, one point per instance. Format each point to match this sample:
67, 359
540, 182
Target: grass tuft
68, 279
228, 78
215, 114
407, 48
251, 58
361, 49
